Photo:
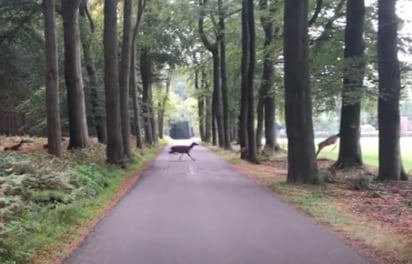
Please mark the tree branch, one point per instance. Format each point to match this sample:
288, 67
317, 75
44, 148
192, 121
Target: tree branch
212, 47
329, 24
319, 4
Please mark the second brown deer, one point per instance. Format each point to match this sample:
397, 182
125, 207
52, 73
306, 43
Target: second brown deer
327, 142
181, 149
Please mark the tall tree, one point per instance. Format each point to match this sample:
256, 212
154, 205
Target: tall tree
94, 96
162, 104
146, 72
354, 72
125, 74
390, 162
302, 167
213, 48
223, 74
133, 86
248, 62
52, 79
73, 75
208, 106
266, 104
252, 152
242, 123
114, 150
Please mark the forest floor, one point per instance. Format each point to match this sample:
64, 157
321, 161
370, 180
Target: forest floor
372, 216
48, 204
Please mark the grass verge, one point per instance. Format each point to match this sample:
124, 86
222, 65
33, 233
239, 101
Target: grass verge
46, 231
335, 207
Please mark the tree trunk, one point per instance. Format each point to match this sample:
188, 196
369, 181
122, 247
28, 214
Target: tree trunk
94, 95
223, 73
162, 105
208, 119
114, 150
243, 140
267, 94
136, 108
217, 102
152, 115
124, 79
54, 136
252, 153
354, 71
201, 113
390, 163
259, 128
213, 48
133, 85
270, 132
199, 86
302, 166
73, 75
145, 70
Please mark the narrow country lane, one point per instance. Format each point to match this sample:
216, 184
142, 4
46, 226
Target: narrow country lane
204, 212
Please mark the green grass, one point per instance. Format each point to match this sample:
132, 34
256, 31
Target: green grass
46, 228
369, 151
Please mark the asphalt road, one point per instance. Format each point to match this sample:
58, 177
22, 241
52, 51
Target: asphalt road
204, 212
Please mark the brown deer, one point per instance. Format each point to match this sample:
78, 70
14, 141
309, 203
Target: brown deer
327, 142
182, 150
17, 146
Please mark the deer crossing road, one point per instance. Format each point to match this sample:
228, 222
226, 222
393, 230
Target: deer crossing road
204, 212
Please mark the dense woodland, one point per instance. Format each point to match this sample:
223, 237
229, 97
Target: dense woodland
105, 69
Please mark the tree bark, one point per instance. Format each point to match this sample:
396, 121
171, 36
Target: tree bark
133, 86
270, 131
152, 115
267, 99
390, 163
199, 86
260, 118
223, 75
302, 166
146, 72
114, 150
94, 95
217, 99
73, 75
354, 71
252, 153
136, 103
54, 137
124, 79
162, 105
208, 121
243, 140
213, 48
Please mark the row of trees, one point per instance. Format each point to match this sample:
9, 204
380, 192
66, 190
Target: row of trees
304, 39
249, 62
128, 77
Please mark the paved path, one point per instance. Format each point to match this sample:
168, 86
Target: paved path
203, 212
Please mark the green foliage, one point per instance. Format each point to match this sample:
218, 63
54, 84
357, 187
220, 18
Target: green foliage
34, 111
21, 46
43, 200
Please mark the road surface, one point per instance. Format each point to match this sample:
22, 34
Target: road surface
204, 212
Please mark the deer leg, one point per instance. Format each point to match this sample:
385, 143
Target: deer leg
334, 147
181, 156
190, 156
319, 149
